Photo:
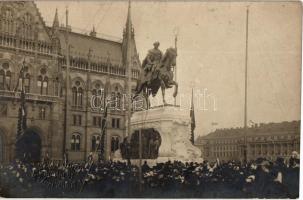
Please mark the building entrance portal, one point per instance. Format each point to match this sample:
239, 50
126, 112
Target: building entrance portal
28, 146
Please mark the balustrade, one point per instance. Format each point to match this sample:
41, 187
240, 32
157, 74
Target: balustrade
11, 41
29, 96
100, 67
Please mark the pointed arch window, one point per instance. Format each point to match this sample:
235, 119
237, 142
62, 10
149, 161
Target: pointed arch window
80, 96
39, 83
78, 143
113, 104
5, 77
42, 82
7, 21
96, 140
95, 98
27, 26
77, 94
116, 99
97, 92
75, 142
74, 94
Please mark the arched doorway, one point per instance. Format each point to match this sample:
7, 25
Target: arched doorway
28, 146
151, 141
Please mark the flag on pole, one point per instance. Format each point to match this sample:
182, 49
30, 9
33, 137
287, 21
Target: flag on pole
192, 119
103, 126
23, 112
20, 76
22, 109
21, 126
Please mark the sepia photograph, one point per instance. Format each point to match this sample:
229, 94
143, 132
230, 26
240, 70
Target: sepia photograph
150, 99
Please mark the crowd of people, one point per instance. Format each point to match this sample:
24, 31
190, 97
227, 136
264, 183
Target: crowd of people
256, 179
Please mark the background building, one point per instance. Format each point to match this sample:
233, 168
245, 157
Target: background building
270, 141
95, 64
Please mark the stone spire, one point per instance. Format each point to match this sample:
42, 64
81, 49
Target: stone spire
127, 47
128, 37
128, 26
56, 20
55, 32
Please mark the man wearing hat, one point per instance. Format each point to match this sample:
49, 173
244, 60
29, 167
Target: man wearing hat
153, 57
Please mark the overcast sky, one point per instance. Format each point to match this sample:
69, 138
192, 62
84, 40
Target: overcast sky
211, 52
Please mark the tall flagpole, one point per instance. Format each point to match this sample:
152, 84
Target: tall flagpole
21, 115
128, 61
245, 100
176, 39
89, 56
66, 85
140, 159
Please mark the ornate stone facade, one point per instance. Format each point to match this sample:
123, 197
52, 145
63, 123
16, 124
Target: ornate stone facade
265, 140
94, 64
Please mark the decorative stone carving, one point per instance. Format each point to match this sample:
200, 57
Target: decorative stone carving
173, 125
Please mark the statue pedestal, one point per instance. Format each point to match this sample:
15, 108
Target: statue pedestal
173, 125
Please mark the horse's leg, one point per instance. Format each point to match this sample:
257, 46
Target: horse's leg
139, 90
163, 91
145, 96
147, 99
176, 88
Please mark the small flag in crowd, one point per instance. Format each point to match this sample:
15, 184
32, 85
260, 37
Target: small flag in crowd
192, 119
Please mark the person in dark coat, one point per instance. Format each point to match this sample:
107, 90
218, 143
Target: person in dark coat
145, 167
292, 177
262, 179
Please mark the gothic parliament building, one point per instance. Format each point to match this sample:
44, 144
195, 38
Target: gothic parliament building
95, 63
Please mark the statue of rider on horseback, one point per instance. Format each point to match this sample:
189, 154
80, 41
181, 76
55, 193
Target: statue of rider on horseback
153, 58
157, 72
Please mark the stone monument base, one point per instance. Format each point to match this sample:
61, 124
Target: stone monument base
173, 125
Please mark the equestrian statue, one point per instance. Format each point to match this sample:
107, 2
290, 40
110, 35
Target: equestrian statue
157, 72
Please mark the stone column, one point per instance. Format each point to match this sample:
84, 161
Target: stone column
282, 149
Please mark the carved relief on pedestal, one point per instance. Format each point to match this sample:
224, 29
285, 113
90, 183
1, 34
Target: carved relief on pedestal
173, 127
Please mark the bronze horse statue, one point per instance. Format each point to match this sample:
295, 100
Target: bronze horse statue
162, 76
